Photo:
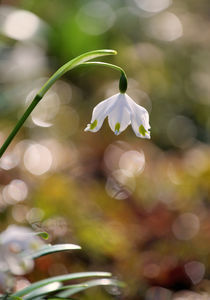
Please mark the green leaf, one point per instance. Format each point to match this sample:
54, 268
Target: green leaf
49, 288
88, 284
48, 249
70, 290
66, 277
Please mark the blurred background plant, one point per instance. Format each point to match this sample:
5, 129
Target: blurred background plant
19, 247
139, 209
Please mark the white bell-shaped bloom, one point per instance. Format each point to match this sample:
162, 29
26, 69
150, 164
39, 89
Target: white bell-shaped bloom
121, 111
14, 241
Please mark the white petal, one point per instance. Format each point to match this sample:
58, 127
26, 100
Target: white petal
139, 116
100, 112
119, 117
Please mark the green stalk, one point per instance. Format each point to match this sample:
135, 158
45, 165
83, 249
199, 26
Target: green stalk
71, 65
20, 123
123, 79
61, 71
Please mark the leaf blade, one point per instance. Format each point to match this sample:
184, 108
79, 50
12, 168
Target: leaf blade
49, 249
89, 284
60, 278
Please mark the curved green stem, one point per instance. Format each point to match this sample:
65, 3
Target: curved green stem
61, 71
104, 65
123, 79
71, 65
19, 124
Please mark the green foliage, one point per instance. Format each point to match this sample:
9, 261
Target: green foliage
77, 198
48, 249
54, 285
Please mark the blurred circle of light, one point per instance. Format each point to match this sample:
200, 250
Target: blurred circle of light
21, 284
37, 159
165, 27
46, 110
25, 61
151, 270
195, 270
150, 54
153, 6
21, 25
200, 81
196, 161
132, 161
120, 185
57, 226
64, 90
35, 215
17, 190
186, 226
111, 156
181, 131
189, 295
19, 212
157, 292
173, 174
9, 161
95, 17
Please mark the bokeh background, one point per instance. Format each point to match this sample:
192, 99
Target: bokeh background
139, 208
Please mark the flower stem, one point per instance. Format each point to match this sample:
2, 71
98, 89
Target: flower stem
123, 83
20, 123
73, 64
61, 71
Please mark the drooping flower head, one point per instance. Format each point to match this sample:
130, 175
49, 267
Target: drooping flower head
14, 241
121, 111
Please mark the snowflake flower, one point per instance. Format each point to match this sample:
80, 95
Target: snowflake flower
121, 111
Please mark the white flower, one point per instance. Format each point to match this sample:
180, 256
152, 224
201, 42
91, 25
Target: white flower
121, 111
14, 241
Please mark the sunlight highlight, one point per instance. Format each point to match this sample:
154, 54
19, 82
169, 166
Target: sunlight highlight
37, 159
21, 25
153, 6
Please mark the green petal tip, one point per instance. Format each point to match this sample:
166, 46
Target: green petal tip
142, 130
93, 125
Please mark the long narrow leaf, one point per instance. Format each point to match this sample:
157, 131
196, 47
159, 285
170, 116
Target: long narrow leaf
48, 249
44, 282
49, 288
88, 284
